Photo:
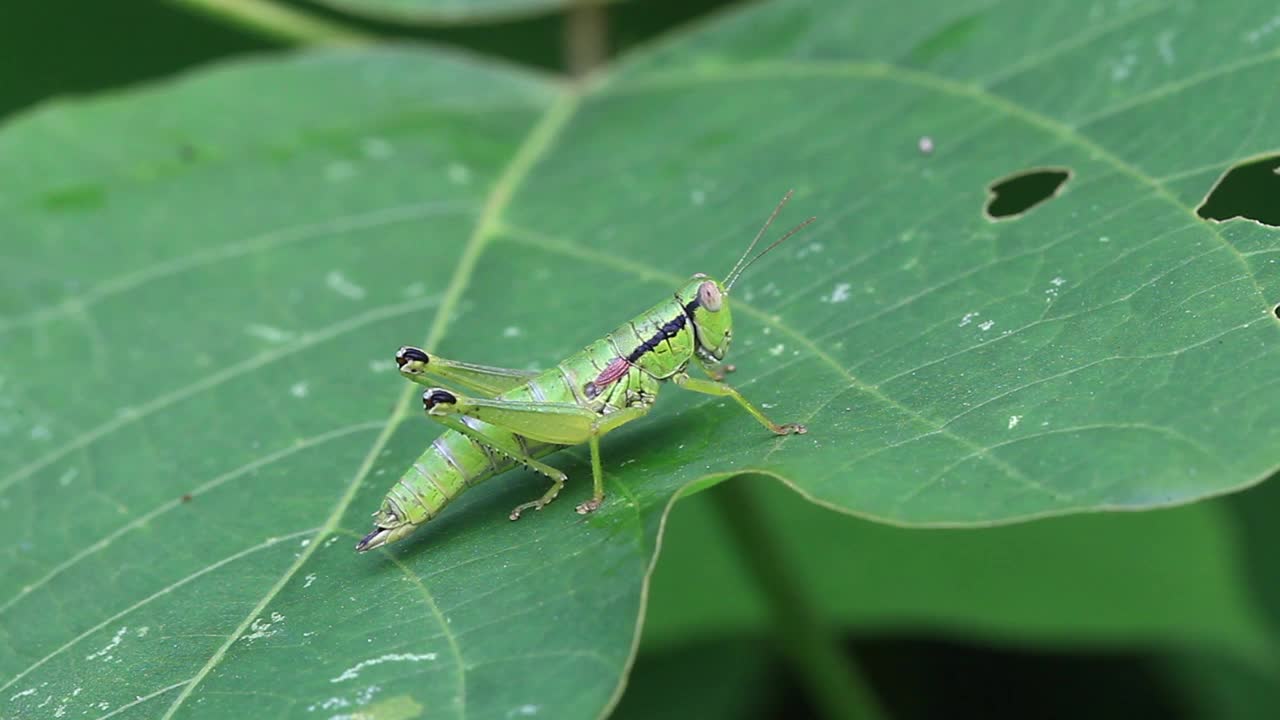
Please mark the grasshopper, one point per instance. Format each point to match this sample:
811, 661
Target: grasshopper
519, 416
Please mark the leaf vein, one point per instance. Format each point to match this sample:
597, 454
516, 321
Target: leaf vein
106, 540
270, 542
213, 380
237, 249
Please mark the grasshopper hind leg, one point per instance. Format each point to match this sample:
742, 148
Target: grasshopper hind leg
458, 422
557, 423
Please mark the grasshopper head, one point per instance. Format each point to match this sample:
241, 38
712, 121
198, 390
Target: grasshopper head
706, 302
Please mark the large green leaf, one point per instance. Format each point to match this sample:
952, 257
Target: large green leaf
203, 284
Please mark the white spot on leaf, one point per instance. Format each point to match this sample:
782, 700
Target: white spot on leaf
986, 325
354, 671
1164, 45
459, 174
339, 171
1122, 68
106, 652
339, 283
1013, 421
299, 389
812, 248
375, 148
1263, 30
968, 318
839, 293
268, 333
363, 697
262, 629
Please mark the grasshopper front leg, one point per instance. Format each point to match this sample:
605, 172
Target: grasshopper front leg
714, 387
558, 423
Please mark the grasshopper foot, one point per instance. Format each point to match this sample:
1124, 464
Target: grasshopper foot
545, 500
535, 505
791, 429
589, 506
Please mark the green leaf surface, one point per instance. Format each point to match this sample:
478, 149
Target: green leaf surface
1173, 579
203, 284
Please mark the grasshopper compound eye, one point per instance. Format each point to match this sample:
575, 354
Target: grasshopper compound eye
709, 296
408, 354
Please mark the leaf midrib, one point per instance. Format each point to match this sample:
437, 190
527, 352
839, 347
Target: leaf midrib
540, 138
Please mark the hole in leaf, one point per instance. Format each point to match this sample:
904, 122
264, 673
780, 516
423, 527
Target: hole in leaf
1018, 193
1250, 190
1276, 311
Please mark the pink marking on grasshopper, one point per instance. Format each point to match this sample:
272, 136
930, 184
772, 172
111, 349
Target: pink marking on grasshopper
611, 373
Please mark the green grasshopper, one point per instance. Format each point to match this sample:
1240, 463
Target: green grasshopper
520, 416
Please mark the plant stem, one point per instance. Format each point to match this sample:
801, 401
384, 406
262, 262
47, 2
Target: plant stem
586, 37
280, 22
832, 678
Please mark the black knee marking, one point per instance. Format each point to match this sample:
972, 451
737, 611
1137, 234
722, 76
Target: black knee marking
409, 354
435, 396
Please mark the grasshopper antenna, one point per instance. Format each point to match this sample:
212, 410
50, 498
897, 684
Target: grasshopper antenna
739, 267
